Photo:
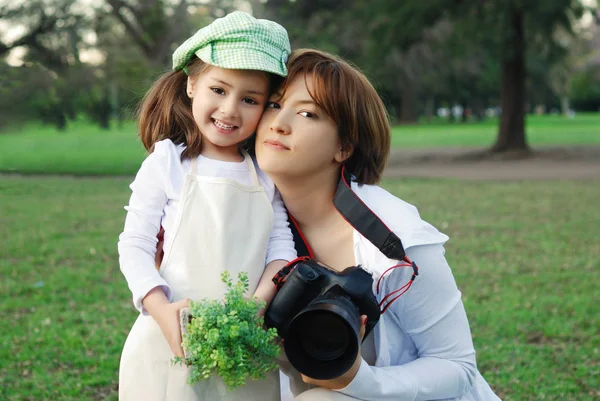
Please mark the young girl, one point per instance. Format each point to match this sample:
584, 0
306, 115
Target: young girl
218, 211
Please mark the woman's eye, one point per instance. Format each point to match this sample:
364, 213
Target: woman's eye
218, 91
249, 100
273, 105
308, 114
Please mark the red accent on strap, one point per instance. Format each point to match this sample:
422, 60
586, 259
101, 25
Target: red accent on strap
399, 295
390, 269
402, 290
310, 251
298, 259
281, 276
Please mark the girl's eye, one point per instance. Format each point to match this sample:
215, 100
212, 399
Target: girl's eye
249, 100
273, 105
308, 114
218, 91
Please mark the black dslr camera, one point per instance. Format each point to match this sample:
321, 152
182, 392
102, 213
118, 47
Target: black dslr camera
317, 313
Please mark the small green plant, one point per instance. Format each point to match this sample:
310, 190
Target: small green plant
227, 338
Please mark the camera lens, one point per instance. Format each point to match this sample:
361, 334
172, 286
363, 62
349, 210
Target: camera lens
323, 339
324, 347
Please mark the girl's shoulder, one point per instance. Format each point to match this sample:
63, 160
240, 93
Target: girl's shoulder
166, 147
263, 178
165, 153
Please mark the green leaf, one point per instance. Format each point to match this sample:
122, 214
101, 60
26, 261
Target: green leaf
227, 338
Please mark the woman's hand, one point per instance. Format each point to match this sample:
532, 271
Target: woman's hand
166, 315
345, 379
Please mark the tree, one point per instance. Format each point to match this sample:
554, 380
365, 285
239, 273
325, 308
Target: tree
53, 38
511, 28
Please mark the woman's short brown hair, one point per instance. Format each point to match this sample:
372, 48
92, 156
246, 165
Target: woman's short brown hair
348, 97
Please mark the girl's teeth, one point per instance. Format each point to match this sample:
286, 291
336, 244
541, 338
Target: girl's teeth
224, 126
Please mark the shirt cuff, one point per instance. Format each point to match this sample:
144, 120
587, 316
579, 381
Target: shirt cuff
286, 255
145, 289
364, 375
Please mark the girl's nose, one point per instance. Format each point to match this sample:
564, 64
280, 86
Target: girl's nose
229, 108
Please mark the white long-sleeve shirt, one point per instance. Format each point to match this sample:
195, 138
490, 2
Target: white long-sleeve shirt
422, 343
156, 193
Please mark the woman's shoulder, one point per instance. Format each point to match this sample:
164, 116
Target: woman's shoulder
400, 216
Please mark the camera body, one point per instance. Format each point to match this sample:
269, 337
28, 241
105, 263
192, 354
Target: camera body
317, 313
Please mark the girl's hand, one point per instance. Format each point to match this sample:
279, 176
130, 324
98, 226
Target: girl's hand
168, 320
166, 314
158, 257
345, 379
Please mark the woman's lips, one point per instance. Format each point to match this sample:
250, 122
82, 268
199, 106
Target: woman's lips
275, 144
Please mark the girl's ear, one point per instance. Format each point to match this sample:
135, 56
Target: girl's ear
191, 84
343, 154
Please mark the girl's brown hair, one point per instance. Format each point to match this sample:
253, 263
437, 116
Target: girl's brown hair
348, 97
166, 111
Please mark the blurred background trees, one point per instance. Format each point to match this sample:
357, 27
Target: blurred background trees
462, 60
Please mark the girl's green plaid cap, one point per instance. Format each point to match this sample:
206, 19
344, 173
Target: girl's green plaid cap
238, 41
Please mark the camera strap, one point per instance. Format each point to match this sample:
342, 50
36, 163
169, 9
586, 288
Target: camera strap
359, 216
366, 222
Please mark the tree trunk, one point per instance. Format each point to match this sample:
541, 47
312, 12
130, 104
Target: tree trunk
564, 105
430, 109
511, 135
408, 112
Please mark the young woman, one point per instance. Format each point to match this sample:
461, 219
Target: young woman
327, 115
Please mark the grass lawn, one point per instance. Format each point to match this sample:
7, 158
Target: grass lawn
87, 150
524, 255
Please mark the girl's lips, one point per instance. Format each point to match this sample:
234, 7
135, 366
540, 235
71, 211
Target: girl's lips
276, 144
223, 125
224, 128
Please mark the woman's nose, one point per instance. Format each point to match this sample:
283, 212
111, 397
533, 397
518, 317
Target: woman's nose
280, 125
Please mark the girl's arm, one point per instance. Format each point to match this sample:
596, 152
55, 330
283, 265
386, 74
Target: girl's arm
137, 247
281, 242
432, 314
279, 251
266, 289
137, 242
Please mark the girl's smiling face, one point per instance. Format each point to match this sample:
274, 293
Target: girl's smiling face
227, 106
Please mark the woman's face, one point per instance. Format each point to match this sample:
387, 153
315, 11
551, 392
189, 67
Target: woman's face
295, 137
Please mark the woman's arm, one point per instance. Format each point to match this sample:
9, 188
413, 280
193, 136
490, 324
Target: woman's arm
432, 314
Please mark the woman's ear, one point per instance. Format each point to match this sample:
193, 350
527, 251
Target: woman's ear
343, 154
191, 84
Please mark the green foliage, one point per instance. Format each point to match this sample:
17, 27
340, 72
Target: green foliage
586, 90
226, 337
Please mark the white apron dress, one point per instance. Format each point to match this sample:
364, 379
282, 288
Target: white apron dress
221, 225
